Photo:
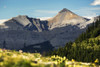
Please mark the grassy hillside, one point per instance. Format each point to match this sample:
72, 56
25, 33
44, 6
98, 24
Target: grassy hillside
10, 58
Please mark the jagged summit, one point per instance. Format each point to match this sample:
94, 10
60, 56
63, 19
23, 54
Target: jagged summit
64, 10
20, 16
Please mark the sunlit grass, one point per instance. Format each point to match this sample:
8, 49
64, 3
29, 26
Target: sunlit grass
12, 58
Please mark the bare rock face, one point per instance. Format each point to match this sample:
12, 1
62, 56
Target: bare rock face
22, 32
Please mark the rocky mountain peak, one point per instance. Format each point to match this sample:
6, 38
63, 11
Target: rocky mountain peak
64, 10
65, 17
22, 16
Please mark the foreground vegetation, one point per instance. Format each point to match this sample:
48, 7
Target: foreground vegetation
10, 58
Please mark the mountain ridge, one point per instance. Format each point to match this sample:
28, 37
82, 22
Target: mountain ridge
22, 30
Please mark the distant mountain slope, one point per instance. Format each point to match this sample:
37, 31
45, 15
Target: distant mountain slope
65, 17
64, 27
25, 23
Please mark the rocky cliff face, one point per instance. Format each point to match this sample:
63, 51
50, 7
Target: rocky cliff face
22, 32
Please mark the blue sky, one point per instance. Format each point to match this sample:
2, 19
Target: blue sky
47, 8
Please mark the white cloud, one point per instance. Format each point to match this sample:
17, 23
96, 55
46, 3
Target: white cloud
89, 17
96, 2
45, 18
47, 11
88, 11
95, 8
3, 20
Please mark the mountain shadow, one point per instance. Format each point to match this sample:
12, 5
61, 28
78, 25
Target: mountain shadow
41, 47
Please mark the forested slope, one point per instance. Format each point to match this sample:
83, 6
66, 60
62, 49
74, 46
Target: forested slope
86, 47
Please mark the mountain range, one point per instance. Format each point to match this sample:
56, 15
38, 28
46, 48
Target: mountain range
23, 32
